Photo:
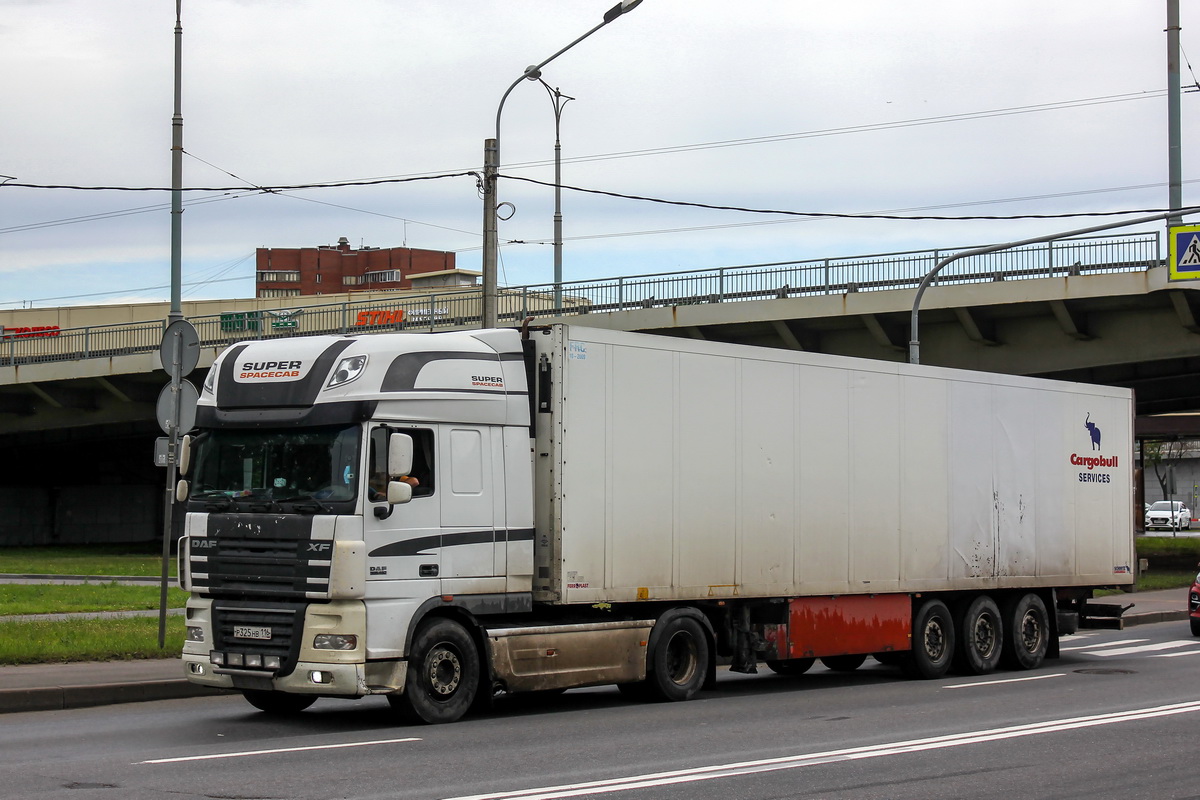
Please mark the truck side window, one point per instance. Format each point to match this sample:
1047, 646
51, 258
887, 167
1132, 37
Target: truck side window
422, 470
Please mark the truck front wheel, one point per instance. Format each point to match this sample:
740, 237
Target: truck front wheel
443, 674
280, 704
678, 660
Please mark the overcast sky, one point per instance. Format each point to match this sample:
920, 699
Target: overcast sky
952, 108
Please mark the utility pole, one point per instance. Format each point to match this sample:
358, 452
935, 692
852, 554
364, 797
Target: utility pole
1174, 143
176, 312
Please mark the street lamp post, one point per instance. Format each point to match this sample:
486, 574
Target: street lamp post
491, 165
558, 99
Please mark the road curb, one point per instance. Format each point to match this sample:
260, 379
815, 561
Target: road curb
55, 698
1148, 617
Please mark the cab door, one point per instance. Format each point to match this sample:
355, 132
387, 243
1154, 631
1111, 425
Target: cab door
403, 541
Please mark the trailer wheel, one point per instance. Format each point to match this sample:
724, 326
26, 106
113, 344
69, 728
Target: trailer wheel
1027, 634
678, 661
280, 704
443, 674
791, 666
933, 641
980, 634
844, 663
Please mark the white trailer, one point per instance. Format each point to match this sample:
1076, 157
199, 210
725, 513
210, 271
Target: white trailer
599, 507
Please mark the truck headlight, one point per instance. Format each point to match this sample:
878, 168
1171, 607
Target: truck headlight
335, 641
195, 633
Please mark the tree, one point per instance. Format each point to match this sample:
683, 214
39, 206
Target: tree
1163, 456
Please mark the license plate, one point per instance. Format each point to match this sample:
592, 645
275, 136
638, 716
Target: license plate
247, 632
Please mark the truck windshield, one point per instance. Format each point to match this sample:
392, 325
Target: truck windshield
294, 469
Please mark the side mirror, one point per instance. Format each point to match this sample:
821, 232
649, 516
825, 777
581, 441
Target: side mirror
185, 454
400, 455
181, 490
398, 493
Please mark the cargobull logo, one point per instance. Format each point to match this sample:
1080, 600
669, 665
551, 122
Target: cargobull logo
1094, 462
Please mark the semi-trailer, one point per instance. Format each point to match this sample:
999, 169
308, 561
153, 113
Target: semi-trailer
439, 518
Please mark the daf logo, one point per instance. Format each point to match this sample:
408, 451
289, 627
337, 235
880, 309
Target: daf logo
319, 547
203, 544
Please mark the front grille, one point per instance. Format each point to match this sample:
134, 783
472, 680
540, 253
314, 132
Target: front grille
285, 621
247, 555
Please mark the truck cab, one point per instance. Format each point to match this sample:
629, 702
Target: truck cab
339, 490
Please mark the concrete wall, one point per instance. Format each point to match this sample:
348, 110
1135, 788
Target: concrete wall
41, 516
1187, 484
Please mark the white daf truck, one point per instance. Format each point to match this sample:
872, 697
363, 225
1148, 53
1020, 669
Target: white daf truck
439, 518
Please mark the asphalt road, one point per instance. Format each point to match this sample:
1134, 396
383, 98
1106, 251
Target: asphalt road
1115, 717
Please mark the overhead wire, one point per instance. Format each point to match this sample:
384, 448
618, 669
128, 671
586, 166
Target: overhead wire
830, 214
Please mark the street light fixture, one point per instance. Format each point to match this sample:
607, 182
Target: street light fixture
491, 164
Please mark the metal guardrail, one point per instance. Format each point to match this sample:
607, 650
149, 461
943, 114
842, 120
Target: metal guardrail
1135, 252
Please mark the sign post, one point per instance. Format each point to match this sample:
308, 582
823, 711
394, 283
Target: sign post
176, 411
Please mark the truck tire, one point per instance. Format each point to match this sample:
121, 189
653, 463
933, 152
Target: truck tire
844, 663
279, 704
791, 666
678, 660
933, 642
1195, 624
1027, 632
980, 634
443, 674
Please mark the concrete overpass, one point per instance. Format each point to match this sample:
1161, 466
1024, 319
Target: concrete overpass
1097, 310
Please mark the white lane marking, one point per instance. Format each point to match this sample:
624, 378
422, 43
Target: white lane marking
1145, 648
1102, 644
811, 759
1176, 655
1005, 680
244, 753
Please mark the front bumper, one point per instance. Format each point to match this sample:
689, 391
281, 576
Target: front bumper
309, 677
284, 634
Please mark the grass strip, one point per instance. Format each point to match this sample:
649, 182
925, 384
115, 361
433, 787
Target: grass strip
61, 641
1152, 581
134, 561
55, 599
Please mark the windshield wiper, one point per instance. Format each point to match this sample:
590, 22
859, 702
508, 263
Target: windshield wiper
306, 502
214, 500
262, 504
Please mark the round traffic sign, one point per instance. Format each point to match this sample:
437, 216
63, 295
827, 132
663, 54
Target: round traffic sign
166, 408
180, 348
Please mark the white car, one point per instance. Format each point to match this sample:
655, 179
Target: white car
1170, 514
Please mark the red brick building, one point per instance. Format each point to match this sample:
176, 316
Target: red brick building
334, 269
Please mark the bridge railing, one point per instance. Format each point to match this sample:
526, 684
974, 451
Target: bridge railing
457, 308
1128, 253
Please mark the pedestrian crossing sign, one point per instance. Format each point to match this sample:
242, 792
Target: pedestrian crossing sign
1184, 253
